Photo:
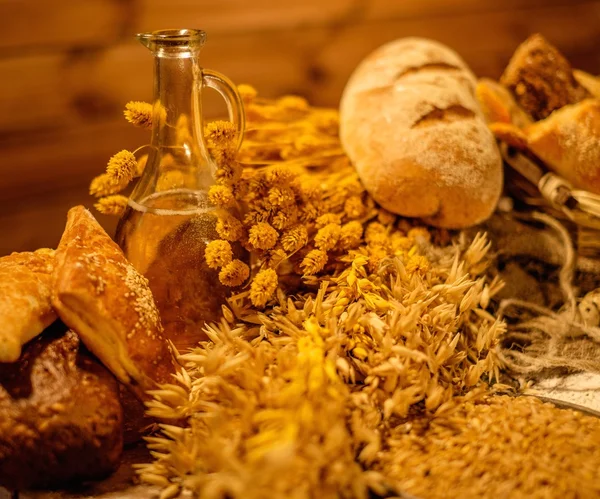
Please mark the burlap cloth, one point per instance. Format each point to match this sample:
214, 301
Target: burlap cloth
551, 303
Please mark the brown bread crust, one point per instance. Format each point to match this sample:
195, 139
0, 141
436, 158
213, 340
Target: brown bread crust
541, 78
61, 419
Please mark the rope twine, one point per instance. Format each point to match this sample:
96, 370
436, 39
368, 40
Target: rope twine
568, 339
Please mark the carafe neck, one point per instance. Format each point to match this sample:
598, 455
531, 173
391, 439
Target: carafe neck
177, 157
177, 111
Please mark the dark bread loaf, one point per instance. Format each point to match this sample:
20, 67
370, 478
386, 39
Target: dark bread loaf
541, 78
411, 124
60, 415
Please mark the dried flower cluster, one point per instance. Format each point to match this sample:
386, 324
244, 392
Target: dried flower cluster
302, 203
122, 168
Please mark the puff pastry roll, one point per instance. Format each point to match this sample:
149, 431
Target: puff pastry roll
101, 296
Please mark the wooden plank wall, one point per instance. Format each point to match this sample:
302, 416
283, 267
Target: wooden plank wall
67, 67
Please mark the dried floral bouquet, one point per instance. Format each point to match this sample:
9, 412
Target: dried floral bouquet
361, 356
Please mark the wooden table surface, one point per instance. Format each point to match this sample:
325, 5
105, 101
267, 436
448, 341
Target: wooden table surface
120, 485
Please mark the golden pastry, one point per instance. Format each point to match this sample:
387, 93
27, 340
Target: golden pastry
100, 295
25, 299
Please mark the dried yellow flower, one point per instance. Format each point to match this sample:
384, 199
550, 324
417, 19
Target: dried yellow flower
230, 228
375, 233
257, 188
218, 253
262, 236
327, 120
234, 273
280, 196
354, 207
419, 233
379, 239
220, 195
351, 235
279, 176
294, 238
122, 167
328, 237
309, 212
247, 92
183, 133
141, 165
308, 189
399, 242
256, 216
314, 262
111, 205
306, 144
139, 113
285, 217
352, 185
263, 287
220, 134
417, 263
229, 170
105, 185
385, 217
376, 255
274, 257
328, 218
293, 102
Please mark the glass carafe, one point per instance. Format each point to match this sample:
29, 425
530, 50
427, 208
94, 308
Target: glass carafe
169, 220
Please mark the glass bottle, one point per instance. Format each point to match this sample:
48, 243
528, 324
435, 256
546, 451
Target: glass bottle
169, 220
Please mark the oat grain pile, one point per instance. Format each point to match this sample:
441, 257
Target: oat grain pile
359, 358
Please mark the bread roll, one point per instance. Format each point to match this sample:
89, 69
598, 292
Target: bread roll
568, 142
411, 124
60, 417
541, 78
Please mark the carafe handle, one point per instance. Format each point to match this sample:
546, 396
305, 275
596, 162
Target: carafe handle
228, 91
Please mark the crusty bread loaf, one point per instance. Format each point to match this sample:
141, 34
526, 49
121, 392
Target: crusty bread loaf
411, 124
60, 417
568, 142
541, 78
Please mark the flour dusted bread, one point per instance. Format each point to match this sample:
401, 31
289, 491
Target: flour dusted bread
411, 124
25, 299
99, 294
